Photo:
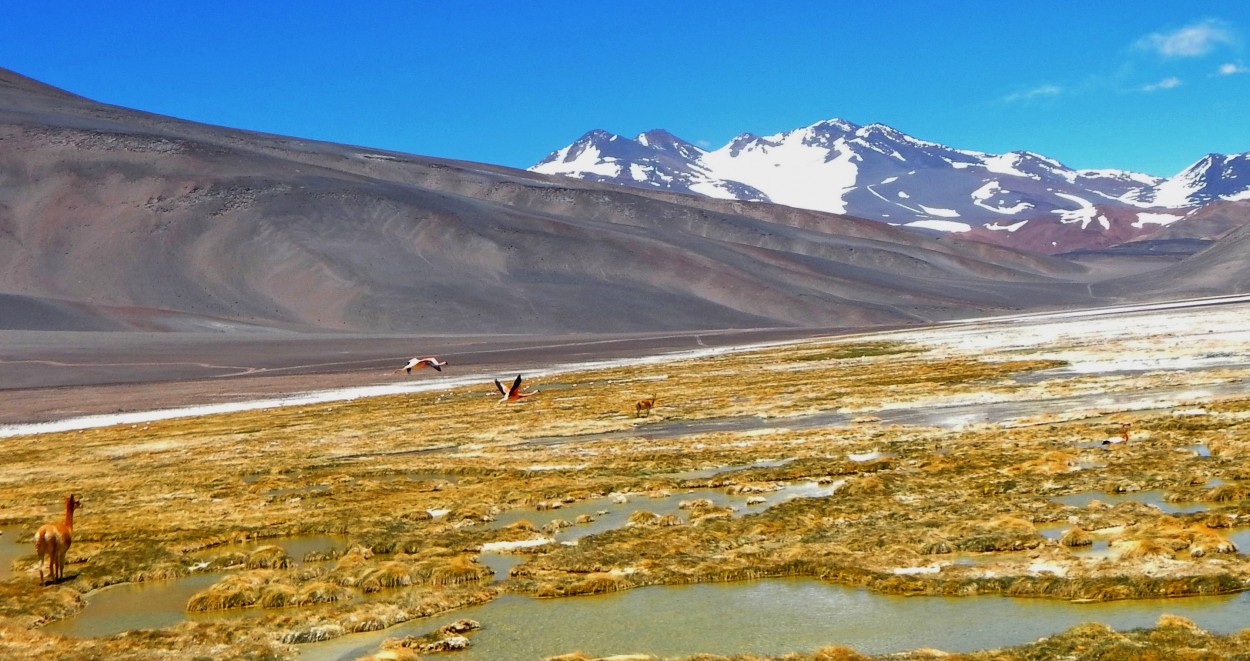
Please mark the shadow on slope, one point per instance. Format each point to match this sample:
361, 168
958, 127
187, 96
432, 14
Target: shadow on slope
119, 210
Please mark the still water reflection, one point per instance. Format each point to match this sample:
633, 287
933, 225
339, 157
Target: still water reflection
155, 604
296, 547
147, 605
608, 515
1153, 497
774, 617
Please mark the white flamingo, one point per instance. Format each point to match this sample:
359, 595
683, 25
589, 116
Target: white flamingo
426, 361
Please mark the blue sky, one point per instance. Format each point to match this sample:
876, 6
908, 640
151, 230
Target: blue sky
1147, 86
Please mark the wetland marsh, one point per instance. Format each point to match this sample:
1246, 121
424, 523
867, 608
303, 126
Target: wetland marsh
867, 478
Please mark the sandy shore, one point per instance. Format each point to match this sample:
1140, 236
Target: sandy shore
52, 376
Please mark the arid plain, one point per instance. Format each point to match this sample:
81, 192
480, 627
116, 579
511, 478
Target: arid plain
1076, 459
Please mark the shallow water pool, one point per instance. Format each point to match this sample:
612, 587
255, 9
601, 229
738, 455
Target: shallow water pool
774, 617
147, 605
14, 543
1153, 497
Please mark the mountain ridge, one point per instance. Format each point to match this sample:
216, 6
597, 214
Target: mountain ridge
114, 219
878, 172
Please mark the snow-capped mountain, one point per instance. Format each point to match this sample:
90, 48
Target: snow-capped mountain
880, 173
1213, 177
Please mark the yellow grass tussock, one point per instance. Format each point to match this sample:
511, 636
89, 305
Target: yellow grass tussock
237, 591
322, 592
838, 653
268, 557
643, 518
460, 569
1141, 548
278, 595
1076, 536
386, 575
1228, 493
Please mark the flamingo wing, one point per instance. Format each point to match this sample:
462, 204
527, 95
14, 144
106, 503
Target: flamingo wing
516, 386
500, 387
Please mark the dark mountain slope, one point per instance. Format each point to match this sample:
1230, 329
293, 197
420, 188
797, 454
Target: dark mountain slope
1222, 268
1208, 223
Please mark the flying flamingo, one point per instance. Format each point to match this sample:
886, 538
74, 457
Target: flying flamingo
513, 393
427, 361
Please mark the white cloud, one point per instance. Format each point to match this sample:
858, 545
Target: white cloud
1036, 92
1230, 68
1190, 41
1165, 84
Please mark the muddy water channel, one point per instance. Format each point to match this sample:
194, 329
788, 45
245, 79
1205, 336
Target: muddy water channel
156, 604
1153, 498
14, 543
148, 605
296, 547
774, 617
610, 514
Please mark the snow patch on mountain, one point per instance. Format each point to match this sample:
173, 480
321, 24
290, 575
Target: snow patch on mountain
1121, 175
1175, 192
1148, 218
713, 189
982, 196
1008, 164
578, 161
1006, 228
939, 225
805, 168
941, 213
987, 191
1085, 214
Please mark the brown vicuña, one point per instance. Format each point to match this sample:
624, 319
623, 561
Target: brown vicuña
53, 540
644, 405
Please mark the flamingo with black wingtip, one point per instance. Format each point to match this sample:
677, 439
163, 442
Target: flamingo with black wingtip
514, 393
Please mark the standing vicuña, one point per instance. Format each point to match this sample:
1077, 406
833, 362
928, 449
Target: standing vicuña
53, 540
644, 405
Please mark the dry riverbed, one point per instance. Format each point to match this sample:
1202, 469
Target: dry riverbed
1007, 426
